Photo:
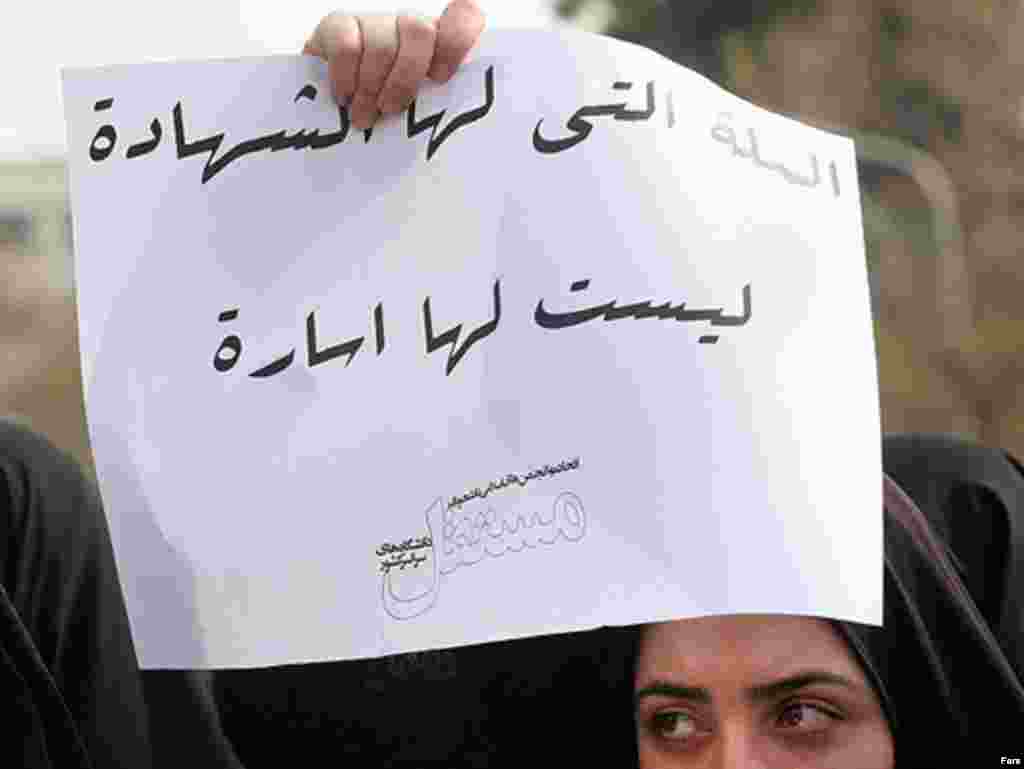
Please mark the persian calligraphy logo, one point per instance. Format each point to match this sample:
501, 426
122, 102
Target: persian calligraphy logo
460, 538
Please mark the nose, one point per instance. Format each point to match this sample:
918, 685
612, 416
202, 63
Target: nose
737, 748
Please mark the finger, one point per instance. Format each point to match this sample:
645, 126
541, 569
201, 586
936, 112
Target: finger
416, 37
338, 39
380, 48
458, 30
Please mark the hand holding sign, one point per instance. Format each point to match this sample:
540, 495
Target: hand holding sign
377, 61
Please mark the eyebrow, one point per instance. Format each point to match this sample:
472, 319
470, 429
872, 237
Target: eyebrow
758, 693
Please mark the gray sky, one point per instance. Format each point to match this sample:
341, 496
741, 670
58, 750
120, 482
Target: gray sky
38, 37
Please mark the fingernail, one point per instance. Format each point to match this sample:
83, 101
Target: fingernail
362, 107
396, 104
366, 120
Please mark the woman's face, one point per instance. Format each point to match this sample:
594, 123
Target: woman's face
765, 691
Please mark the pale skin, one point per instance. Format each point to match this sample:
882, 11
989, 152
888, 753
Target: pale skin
730, 692
377, 62
755, 692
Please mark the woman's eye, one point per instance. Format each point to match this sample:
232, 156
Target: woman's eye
673, 725
806, 717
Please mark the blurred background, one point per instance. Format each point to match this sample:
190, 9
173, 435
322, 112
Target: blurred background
931, 91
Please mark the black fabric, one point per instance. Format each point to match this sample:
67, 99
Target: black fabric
542, 699
974, 498
946, 682
70, 679
947, 662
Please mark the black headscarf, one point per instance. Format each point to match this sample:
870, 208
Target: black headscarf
948, 662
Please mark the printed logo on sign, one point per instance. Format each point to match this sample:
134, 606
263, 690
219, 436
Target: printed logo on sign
464, 538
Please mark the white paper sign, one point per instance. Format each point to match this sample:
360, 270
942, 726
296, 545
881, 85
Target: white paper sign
572, 342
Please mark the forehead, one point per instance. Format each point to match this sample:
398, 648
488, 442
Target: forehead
751, 647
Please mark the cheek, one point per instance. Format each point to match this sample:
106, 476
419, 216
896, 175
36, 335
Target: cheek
647, 761
876, 749
651, 758
870, 747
